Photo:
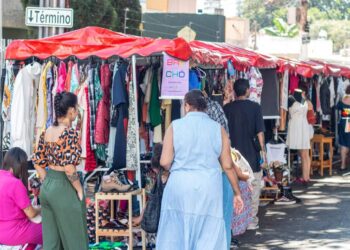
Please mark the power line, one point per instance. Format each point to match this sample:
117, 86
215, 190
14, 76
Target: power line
165, 25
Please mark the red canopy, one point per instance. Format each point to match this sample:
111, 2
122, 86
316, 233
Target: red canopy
241, 58
96, 41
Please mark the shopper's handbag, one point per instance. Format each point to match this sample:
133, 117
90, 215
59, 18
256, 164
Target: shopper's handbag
151, 214
311, 117
243, 164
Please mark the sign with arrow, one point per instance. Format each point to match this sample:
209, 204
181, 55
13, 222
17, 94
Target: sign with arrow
49, 17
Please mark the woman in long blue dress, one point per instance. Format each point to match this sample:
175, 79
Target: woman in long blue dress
196, 149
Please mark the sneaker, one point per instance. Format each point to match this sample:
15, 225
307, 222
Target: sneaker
234, 243
290, 196
253, 227
284, 201
113, 184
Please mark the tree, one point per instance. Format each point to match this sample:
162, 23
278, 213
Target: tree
333, 9
263, 11
282, 29
94, 13
26, 3
338, 31
134, 15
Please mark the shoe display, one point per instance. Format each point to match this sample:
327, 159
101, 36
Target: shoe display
121, 176
112, 183
284, 201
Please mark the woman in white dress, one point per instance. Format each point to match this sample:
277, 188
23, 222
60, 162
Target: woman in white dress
300, 131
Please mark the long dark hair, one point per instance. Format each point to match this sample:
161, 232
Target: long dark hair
64, 101
16, 159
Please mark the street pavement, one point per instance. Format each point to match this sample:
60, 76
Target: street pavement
321, 221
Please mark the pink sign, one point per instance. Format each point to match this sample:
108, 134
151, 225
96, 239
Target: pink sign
175, 78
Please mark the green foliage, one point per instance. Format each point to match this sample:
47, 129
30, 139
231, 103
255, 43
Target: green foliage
338, 31
94, 13
134, 15
282, 29
332, 9
103, 13
26, 3
263, 12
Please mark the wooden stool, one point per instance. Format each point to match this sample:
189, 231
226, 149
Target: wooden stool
114, 232
320, 163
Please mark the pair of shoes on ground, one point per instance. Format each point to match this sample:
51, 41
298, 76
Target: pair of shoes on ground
287, 197
234, 243
253, 227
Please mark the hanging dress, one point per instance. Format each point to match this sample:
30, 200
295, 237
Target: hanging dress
131, 139
62, 75
299, 130
103, 110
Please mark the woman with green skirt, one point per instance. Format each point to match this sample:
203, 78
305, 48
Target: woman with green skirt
61, 194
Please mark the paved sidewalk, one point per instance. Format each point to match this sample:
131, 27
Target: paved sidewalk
321, 221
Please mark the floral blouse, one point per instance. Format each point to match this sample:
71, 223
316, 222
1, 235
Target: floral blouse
65, 151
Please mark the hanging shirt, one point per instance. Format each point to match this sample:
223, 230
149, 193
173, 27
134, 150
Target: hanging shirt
325, 97
166, 106
69, 76
256, 84
90, 162
82, 102
154, 109
132, 143
275, 153
284, 92
154, 105
103, 110
120, 101
148, 86
318, 96
332, 92
50, 84
42, 112
74, 80
194, 80
23, 107
6, 105
293, 82
95, 95
62, 75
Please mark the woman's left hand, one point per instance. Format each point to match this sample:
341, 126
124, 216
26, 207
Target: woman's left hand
238, 204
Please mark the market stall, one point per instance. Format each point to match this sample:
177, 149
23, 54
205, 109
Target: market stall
104, 69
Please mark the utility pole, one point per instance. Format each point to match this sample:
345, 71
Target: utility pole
62, 4
40, 33
255, 24
304, 29
125, 19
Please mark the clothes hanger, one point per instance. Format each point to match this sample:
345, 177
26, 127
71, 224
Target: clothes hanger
201, 73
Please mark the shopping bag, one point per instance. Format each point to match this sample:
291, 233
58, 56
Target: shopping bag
151, 214
243, 164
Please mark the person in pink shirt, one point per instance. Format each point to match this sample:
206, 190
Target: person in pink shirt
16, 210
